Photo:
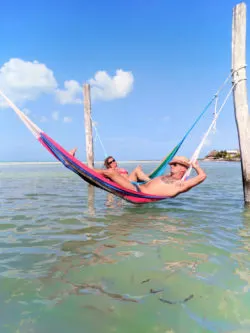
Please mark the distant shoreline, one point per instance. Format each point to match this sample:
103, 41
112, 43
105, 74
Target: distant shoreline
55, 163
120, 162
221, 160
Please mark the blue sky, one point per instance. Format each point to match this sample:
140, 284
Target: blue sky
153, 66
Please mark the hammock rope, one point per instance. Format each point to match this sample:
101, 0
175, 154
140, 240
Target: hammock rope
215, 112
99, 137
196, 154
35, 130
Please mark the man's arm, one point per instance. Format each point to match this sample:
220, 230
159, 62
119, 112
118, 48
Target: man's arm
201, 176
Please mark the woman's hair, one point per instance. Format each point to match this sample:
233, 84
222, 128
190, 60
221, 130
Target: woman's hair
106, 162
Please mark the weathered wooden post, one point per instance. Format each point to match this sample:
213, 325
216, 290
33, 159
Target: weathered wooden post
89, 143
240, 93
88, 126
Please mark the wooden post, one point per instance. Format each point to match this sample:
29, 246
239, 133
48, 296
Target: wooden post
88, 126
89, 143
240, 93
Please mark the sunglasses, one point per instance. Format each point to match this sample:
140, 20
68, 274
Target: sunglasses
110, 162
175, 164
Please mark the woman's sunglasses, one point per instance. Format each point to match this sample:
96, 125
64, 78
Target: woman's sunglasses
110, 162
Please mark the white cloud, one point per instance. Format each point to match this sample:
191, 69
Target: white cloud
67, 120
24, 80
55, 115
71, 94
105, 87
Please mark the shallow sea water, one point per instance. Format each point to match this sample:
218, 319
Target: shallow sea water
74, 260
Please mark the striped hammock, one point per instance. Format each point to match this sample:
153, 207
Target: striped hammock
90, 175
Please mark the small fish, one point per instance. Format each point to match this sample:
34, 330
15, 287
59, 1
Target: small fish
166, 301
155, 291
176, 302
188, 298
144, 281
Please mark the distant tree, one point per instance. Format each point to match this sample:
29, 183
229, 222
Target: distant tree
222, 154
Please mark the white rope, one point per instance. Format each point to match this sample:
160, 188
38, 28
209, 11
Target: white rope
196, 154
224, 83
215, 112
35, 130
98, 137
238, 69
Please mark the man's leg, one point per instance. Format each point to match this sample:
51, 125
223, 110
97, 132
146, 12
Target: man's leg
138, 174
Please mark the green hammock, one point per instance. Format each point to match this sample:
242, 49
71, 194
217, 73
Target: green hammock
160, 170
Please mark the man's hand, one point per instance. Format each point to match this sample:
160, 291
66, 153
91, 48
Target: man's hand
195, 165
199, 178
199, 170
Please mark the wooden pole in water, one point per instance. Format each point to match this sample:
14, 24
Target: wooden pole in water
240, 93
89, 143
88, 126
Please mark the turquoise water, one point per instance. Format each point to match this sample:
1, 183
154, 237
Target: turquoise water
73, 262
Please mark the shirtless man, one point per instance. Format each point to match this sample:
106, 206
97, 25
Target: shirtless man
168, 185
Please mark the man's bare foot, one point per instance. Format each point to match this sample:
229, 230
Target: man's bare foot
73, 151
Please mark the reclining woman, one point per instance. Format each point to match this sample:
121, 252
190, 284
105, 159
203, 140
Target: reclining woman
110, 163
136, 175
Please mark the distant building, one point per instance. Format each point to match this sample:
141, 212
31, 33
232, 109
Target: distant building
233, 152
212, 154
